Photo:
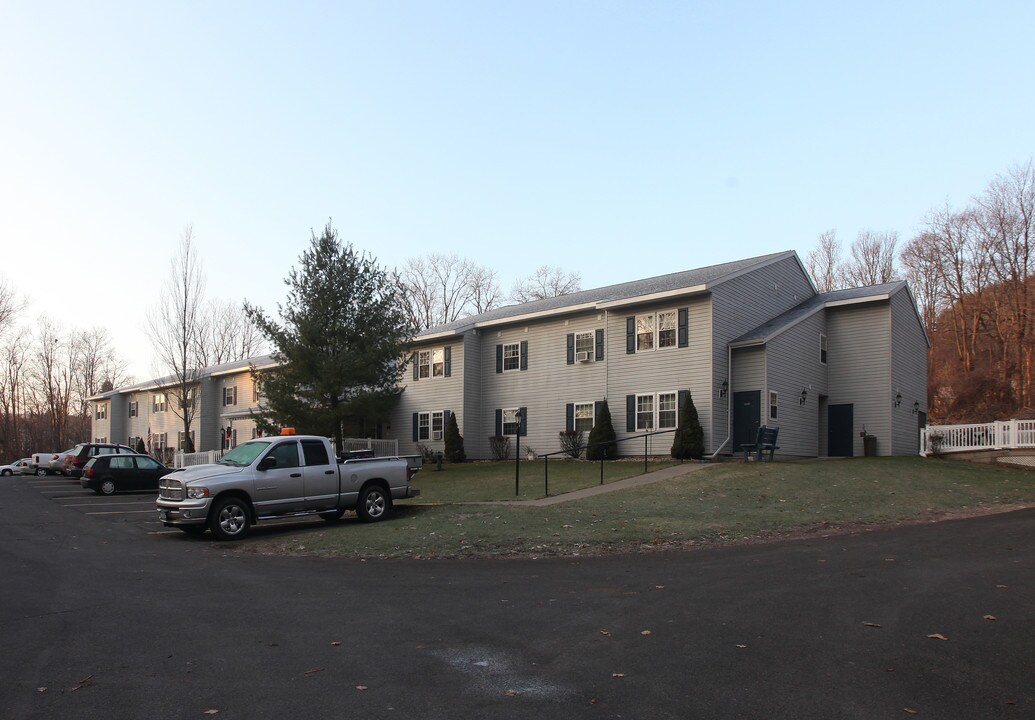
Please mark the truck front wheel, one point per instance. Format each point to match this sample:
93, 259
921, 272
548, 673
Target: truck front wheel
229, 519
374, 504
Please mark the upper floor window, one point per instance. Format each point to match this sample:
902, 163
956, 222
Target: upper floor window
101, 412
158, 403
823, 349
134, 408
438, 363
584, 344
662, 329
432, 363
230, 395
511, 357
424, 364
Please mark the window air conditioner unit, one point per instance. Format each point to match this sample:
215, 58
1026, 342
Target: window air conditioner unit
582, 356
437, 435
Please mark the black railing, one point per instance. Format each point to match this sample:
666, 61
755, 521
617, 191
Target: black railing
571, 452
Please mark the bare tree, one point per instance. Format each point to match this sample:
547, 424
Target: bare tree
871, 258
228, 334
439, 289
824, 262
96, 366
176, 326
52, 378
546, 282
14, 363
922, 265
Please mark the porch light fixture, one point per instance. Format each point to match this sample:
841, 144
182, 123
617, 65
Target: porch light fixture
898, 399
724, 388
916, 407
804, 395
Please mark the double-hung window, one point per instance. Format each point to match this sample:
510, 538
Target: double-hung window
158, 402
773, 405
511, 357
644, 412
424, 364
430, 425
584, 344
644, 332
230, 395
511, 423
101, 412
133, 408
667, 411
823, 349
583, 417
438, 363
667, 329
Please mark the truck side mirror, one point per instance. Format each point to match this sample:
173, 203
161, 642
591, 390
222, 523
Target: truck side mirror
267, 462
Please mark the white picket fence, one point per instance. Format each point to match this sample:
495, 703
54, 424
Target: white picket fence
380, 448
1004, 435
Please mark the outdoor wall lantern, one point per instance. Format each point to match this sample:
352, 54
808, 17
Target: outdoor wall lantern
898, 399
916, 407
724, 388
804, 395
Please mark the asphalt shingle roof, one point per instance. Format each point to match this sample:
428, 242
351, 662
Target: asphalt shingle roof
710, 276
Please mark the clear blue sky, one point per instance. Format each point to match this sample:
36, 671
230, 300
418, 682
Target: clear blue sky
619, 140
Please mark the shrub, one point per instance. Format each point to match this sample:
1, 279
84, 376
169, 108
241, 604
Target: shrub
602, 445
500, 445
454, 442
935, 442
689, 440
426, 453
140, 446
571, 443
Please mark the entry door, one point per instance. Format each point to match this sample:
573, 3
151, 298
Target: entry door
747, 408
840, 430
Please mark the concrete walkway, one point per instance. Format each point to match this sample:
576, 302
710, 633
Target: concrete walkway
630, 482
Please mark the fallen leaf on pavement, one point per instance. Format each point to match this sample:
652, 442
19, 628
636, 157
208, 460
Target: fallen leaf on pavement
937, 636
911, 711
211, 712
361, 688
646, 632
41, 690
991, 617
873, 625
618, 675
336, 643
742, 646
606, 632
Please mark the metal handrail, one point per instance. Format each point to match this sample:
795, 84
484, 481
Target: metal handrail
582, 448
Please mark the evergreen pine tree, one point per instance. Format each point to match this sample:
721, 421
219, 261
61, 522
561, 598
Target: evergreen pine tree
602, 445
454, 441
689, 441
338, 346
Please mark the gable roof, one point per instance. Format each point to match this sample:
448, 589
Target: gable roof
227, 368
836, 298
622, 294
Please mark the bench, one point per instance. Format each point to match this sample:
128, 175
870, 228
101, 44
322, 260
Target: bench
764, 442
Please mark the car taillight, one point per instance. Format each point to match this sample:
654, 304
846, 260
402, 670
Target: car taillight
89, 472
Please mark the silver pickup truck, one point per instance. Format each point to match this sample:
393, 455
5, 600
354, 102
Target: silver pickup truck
287, 475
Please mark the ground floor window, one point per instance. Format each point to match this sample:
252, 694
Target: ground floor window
583, 417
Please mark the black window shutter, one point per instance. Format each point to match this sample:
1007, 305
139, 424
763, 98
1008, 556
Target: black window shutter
630, 413
499, 422
416, 370
630, 334
569, 417
600, 344
447, 360
681, 403
683, 334
524, 421
499, 360
524, 354
415, 424
571, 348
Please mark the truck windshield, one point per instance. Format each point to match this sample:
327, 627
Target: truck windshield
243, 455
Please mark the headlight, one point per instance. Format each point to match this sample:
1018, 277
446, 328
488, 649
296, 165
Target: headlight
194, 493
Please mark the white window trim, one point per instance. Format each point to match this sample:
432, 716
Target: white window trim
774, 405
823, 349
575, 415
656, 407
438, 366
516, 357
424, 426
656, 324
503, 425
657, 402
423, 361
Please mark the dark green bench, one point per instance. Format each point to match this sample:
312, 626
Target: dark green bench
765, 442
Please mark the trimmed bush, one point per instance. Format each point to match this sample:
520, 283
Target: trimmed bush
454, 441
602, 445
689, 441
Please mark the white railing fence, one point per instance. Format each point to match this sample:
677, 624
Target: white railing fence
380, 448
999, 435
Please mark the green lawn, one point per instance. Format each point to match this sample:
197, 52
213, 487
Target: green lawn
720, 503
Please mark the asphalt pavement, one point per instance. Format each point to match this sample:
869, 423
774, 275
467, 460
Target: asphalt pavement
107, 616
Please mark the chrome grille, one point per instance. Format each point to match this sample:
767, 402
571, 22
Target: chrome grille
169, 489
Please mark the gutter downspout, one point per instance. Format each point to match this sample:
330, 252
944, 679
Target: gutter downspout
729, 405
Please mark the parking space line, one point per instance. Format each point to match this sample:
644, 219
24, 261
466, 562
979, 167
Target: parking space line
100, 504
123, 512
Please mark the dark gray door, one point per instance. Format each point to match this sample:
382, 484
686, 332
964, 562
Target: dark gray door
747, 408
840, 427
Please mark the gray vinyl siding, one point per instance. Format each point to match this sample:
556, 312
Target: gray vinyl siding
909, 372
469, 410
748, 369
547, 385
430, 394
793, 363
661, 370
859, 369
740, 305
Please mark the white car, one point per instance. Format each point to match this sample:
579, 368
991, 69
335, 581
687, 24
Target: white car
18, 467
